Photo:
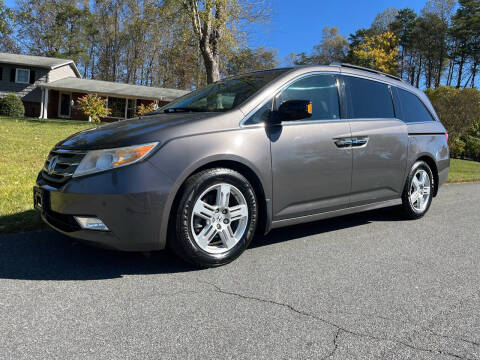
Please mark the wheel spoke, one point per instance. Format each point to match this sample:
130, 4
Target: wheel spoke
414, 197
238, 212
227, 237
206, 235
415, 182
421, 201
203, 210
223, 195
421, 177
426, 190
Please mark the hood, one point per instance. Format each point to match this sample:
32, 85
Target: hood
129, 132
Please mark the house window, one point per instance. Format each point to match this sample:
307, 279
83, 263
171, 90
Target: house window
1, 73
117, 106
22, 76
132, 108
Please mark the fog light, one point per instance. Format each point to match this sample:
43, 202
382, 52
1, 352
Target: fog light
90, 223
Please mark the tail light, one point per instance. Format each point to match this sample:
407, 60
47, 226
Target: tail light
446, 137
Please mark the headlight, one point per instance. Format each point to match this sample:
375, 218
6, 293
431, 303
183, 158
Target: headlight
101, 160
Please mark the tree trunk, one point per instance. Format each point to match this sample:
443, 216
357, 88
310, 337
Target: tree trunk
211, 66
460, 71
450, 72
209, 33
417, 81
474, 73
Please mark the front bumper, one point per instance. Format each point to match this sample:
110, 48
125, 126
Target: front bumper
131, 209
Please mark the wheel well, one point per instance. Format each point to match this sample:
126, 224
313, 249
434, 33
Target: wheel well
433, 167
242, 169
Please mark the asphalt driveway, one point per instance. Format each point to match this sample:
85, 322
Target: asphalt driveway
366, 286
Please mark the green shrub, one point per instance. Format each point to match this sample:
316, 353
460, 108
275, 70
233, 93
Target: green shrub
457, 148
458, 109
11, 105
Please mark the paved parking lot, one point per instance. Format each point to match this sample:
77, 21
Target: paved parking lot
366, 286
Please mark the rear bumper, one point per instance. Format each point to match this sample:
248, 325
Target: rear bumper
133, 218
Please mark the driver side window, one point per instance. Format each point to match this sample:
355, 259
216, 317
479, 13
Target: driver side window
321, 90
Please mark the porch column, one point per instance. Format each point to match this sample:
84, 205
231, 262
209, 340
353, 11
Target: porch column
44, 105
41, 103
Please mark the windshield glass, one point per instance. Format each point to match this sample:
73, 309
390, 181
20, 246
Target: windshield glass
223, 95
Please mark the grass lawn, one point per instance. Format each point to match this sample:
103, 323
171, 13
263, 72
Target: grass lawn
463, 171
25, 143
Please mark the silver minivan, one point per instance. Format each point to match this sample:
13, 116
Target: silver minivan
245, 155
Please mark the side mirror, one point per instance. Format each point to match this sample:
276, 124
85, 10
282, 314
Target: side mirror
295, 110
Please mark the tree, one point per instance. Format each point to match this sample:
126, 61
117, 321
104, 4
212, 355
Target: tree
143, 109
216, 26
332, 48
93, 106
245, 60
52, 28
403, 27
442, 8
465, 34
7, 44
458, 109
355, 40
383, 20
430, 39
378, 52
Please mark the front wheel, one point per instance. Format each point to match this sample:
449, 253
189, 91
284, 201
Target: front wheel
418, 192
216, 217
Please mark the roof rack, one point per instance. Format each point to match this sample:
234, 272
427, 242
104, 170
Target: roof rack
365, 69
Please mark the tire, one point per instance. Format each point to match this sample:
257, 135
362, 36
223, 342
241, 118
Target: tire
420, 181
211, 227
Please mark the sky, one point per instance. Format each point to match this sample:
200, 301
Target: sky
296, 25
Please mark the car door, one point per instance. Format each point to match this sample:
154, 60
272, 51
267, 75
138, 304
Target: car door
311, 163
379, 142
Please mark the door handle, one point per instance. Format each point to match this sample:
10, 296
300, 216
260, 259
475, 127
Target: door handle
359, 142
343, 143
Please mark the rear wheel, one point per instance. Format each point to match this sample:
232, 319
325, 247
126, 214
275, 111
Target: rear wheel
216, 218
418, 192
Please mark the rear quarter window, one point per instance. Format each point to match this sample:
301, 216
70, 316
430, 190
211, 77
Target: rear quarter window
368, 99
413, 109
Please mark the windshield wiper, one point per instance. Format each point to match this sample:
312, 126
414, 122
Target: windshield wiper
184, 109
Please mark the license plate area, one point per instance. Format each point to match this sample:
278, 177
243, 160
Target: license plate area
40, 199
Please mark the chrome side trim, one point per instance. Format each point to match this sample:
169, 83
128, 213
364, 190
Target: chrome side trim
66, 151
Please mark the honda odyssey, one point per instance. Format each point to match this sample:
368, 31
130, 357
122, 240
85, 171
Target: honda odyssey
205, 173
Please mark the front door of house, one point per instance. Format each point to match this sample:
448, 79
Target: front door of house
65, 106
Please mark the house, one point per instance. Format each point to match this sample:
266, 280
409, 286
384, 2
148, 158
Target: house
50, 87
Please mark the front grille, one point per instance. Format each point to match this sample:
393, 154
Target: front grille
66, 162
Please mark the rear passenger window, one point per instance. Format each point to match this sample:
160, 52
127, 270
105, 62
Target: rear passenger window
321, 90
368, 99
413, 109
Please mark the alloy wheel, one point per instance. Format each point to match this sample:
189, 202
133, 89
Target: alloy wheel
219, 218
420, 190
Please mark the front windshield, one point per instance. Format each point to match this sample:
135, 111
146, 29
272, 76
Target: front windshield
224, 95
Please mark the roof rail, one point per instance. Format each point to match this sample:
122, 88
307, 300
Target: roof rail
365, 69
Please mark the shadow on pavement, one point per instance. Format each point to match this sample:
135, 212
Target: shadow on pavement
47, 255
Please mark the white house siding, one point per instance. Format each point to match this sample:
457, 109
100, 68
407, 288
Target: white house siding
60, 73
